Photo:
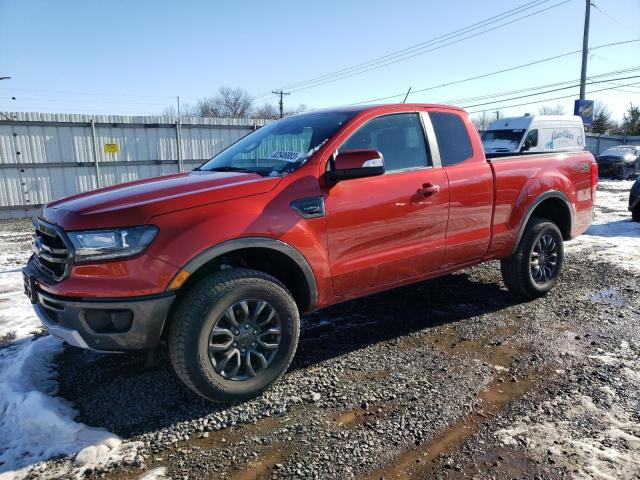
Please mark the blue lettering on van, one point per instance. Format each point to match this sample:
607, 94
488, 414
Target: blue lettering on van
559, 134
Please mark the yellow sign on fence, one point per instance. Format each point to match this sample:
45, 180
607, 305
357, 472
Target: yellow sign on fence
111, 148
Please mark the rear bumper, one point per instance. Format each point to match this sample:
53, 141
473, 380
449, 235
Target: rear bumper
74, 320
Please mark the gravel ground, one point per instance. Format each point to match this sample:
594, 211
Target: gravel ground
449, 378
381, 386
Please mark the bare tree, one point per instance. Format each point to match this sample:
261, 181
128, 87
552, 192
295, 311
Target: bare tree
228, 103
266, 111
293, 111
551, 110
271, 111
482, 121
186, 110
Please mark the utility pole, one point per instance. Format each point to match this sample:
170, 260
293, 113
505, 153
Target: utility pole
281, 93
6, 78
585, 49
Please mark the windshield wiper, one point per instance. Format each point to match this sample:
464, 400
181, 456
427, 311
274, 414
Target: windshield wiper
230, 169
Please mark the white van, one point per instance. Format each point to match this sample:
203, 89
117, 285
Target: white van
535, 133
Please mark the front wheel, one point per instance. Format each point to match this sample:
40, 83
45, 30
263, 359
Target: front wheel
234, 334
533, 269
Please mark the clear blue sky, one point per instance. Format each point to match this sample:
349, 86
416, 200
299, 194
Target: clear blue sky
136, 56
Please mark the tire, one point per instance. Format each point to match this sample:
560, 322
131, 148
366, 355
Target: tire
517, 270
635, 214
628, 172
205, 306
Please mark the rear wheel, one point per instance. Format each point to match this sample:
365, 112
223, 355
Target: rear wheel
534, 268
234, 334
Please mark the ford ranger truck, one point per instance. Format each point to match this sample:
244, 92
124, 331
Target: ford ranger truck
306, 212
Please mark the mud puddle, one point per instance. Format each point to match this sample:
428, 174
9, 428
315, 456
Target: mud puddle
264, 464
609, 296
416, 463
501, 352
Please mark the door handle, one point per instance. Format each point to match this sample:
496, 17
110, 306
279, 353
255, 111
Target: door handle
428, 189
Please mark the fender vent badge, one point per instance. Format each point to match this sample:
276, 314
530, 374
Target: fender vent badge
311, 207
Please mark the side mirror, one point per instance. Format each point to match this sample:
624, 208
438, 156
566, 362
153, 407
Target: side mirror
355, 164
526, 146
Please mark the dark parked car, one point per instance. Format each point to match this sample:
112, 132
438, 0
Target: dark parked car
634, 201
619, 162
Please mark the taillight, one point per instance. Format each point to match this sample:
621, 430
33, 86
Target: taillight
594, 180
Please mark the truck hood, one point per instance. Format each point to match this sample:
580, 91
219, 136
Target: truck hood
500, 146
134, 203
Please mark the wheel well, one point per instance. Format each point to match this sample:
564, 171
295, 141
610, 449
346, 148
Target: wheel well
556, 210
272, 262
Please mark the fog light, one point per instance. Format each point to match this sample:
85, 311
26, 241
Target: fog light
109, 321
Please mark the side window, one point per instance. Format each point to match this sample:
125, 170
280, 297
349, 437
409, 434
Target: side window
399, 137
452, 136
532, 137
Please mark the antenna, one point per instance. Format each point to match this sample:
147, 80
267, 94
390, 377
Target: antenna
405, 97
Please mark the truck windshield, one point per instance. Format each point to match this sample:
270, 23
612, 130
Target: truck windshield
506, 138
280, 147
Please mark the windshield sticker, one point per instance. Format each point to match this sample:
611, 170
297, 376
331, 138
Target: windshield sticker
285, 156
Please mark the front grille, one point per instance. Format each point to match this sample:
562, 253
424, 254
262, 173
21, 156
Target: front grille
52, 253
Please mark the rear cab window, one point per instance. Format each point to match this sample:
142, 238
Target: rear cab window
452, 137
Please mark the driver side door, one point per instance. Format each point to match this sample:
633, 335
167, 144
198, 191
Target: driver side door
388, 229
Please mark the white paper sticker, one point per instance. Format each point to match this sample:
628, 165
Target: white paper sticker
285, 156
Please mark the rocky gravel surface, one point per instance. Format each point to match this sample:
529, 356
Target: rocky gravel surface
447, 378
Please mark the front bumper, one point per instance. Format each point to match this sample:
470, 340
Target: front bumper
613, 169
69, 318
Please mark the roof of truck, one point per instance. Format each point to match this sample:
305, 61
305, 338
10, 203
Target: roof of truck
384, 106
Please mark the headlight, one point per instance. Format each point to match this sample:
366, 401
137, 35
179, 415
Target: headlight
114, 243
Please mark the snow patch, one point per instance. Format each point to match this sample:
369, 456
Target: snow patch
613, 236
607, 448
36, 425
158, 473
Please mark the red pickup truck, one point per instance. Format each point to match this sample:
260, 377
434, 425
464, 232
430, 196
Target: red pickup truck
306, 212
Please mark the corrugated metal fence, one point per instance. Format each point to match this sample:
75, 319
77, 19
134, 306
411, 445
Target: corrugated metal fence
44, 157
599, 143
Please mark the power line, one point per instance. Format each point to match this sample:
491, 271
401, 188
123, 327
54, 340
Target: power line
111, 102
528, 89
551, 99
546, 91
425, 51
407, 49
612, 18
497, 72
376, 64
67, 92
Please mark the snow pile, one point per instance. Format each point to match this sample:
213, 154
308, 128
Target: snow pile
595, 435
17, 320
612, 236
35, 425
